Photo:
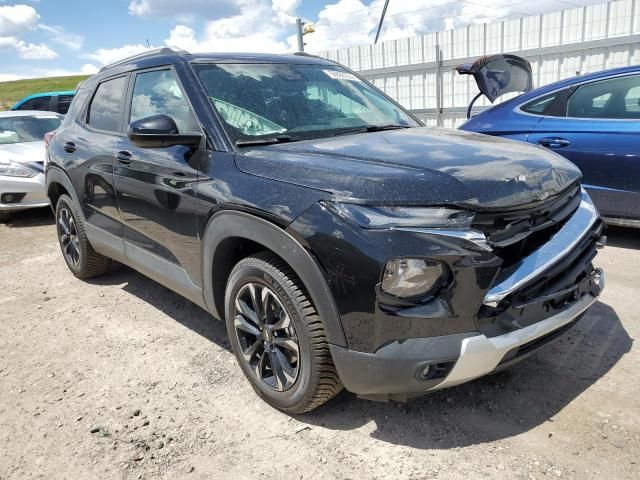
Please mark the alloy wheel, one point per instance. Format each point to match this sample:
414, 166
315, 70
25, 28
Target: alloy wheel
267, 337
68, 234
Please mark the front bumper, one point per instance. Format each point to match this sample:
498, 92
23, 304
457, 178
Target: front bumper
513, 328
31, 192
393, 371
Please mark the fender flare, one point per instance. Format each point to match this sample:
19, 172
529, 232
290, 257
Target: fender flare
56, 175
228, 224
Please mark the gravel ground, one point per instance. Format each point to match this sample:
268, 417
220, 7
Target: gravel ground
120, 378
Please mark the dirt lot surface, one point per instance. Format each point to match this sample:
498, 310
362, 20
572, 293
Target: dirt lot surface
121, 378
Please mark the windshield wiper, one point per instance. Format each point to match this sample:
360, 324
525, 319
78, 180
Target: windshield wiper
246, 142
373, 128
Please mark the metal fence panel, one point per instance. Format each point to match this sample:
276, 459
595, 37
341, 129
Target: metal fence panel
418, 71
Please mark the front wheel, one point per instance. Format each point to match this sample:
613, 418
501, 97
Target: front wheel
277, 336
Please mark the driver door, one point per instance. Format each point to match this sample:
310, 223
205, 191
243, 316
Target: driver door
156, 187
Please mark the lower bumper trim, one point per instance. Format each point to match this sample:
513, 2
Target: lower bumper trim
480, 355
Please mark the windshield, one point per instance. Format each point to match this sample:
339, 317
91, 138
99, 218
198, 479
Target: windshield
27, 128
299, 101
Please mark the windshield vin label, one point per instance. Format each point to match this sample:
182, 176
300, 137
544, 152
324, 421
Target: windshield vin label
337, 75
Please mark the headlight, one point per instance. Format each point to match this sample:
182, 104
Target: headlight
15, 169
388, 217
410, 277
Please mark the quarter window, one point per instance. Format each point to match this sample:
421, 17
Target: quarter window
158, 92
105, 112
614, 98
63, 103
540, 105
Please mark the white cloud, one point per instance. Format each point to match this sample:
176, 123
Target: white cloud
352, 22
186, 9
38, 73
34, 51
89, 69
60, 35
109, 55
26, 50
261, 26
8, 77
183, 37
15, 19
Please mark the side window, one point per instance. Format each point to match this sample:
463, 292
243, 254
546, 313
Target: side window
616, 98
632, 100
63, 103
105, 111
38, 103
158, 92
539, 105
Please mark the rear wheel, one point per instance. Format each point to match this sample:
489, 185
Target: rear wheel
81, 258
277, 336
4, 217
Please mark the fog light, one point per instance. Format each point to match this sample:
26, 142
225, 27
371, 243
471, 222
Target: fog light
410, 277
423, 372
11, 197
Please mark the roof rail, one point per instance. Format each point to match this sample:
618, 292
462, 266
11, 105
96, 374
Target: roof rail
147, 53
305, 54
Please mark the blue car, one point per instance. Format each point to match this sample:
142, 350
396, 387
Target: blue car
592, 120
48, 101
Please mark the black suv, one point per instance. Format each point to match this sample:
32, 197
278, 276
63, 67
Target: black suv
344, 243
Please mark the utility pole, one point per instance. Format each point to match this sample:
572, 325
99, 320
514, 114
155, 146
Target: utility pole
300, 34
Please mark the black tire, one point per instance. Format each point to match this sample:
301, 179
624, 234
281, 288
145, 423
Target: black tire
4, 217
87, 263
316, 380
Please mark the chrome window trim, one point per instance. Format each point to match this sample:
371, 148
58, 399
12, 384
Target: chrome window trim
518, 108
565, 240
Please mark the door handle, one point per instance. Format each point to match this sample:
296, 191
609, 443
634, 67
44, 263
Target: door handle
124, 157
554, 142
69, 147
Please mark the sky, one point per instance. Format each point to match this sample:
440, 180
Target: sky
66, 37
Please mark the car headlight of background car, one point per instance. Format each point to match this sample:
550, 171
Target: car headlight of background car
15, 169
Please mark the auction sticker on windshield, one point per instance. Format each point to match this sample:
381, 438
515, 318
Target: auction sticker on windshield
338, 75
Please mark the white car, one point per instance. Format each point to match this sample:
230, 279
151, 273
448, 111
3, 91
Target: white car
22, 157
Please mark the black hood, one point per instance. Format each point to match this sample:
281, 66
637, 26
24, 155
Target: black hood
417, 166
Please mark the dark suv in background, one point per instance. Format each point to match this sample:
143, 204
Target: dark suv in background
343, 242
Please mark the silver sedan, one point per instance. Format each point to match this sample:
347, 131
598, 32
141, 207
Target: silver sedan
22, 157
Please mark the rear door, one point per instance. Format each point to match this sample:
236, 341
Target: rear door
88, 153
598, 129
156, 187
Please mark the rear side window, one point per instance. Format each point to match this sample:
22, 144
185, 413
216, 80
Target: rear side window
158, 92
615, 98
539, 105
63, 103
38, 103
105, 111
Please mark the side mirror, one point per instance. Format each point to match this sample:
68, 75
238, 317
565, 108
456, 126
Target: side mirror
158, 131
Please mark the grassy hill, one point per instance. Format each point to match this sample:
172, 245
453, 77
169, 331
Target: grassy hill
11, 92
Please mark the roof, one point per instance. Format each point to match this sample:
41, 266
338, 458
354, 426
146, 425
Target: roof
577, 79
44, 94
28, 113
167, 56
